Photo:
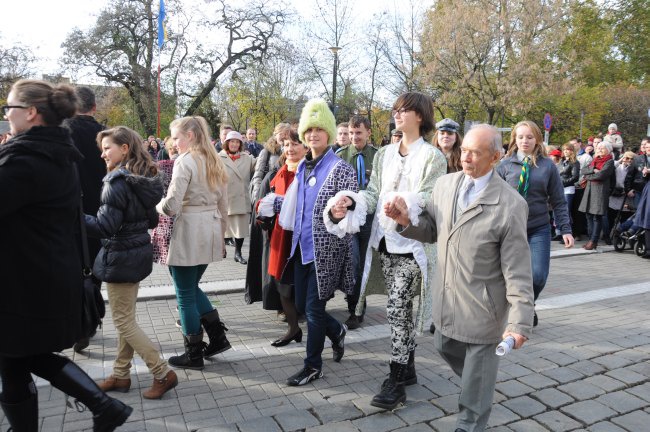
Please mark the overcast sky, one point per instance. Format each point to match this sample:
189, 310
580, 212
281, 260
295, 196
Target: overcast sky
43, 25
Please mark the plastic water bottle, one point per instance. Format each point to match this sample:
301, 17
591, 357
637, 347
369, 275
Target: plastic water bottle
505, 346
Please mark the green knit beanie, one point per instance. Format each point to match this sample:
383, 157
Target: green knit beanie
316, 113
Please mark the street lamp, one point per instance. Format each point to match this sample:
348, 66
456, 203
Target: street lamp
335, 50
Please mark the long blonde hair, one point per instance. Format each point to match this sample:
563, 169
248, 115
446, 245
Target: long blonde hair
200, 145
138, 161
538, 150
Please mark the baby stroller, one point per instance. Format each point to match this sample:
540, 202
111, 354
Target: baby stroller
625, 234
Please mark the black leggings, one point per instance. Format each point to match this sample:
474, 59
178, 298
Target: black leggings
15, 373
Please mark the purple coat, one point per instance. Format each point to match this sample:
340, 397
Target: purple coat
332, 255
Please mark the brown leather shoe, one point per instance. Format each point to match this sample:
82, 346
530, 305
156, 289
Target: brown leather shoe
161, 386
591, 245
113, 383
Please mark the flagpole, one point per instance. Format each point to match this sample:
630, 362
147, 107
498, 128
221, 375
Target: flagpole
158, 123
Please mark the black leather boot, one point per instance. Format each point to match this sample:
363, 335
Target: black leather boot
216, 331
108, 413
22, 416
193, 357
392, 391
411, 377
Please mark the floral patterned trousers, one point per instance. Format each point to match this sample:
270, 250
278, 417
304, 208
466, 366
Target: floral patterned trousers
403, 279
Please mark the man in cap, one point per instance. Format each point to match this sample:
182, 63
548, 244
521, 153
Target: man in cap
395, 136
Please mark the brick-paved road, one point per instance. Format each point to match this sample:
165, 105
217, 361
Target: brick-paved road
586, 369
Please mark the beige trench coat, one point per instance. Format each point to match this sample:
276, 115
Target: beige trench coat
199, 226
484, 278
240, 173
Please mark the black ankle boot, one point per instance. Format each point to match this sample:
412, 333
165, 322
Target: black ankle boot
23, 416
216, 331
411, 377
392, 391
238, 245
108, 413
193, 357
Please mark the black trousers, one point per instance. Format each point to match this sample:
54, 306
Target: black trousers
15, 373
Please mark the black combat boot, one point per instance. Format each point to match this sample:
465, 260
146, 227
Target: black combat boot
410, 378
193, 357
392, 391
216, 331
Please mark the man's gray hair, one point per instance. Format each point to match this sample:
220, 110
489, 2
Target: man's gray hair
86, 99
497, 142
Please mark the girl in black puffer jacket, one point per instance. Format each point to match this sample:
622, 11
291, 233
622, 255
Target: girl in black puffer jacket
129, 196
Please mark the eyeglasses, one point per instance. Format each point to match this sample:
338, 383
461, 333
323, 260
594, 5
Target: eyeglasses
6, 108
401, 111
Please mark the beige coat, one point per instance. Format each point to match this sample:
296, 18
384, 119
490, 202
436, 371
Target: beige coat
484, 278
199, 226
240, 173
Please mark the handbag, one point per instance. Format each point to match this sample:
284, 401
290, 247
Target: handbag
93, 308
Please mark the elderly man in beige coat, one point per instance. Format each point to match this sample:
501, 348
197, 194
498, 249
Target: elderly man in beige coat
483, 283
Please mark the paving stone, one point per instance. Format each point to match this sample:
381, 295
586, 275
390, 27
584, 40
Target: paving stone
622, 401
217, 428
364, 405
444, 424
343, 426
559, 358
524, 406
513, 388
605, 427
501, 415
337, 413
449, 404
556, 421
381, 422
612, 361
442, 387
537, 381
419, 412
266, 424
499, 429
297, 420
552, 398
419, 393
420, 427
604, 382
563, 374
588, 411
588, 367
527, 426
581, 390
642, 391
515, 370
627, 376
634, 421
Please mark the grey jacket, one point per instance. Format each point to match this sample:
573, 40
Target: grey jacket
483, 281
545, 187
596, 198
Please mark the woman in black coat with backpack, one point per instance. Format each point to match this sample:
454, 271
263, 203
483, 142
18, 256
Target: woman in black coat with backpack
40, 295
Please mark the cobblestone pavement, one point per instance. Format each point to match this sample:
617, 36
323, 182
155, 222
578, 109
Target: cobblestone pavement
587, 368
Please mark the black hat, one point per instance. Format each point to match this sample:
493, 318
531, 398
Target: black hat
448, 125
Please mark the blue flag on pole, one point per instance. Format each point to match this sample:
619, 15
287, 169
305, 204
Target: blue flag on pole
162, 32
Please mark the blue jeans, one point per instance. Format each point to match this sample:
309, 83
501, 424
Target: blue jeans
569, 204
594, 226
539, 242
192, 301
319, 322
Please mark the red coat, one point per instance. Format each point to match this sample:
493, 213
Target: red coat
280, 243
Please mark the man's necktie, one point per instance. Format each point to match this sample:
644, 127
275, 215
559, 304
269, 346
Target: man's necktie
464, 197
361, 171
522, 187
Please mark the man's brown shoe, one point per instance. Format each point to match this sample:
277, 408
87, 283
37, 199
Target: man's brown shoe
591, 245
161, 386
113, 383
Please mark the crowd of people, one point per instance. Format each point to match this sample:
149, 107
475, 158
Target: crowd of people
459, 226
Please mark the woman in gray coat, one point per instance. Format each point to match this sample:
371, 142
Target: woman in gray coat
596, 197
